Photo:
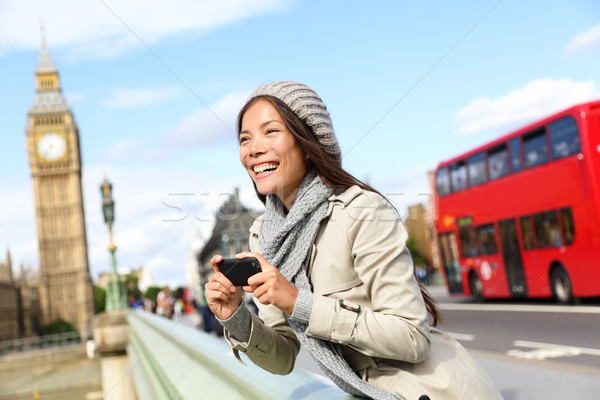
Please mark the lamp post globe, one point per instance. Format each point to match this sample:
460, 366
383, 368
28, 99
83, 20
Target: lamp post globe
108, 204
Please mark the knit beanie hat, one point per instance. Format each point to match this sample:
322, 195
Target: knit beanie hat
309, 107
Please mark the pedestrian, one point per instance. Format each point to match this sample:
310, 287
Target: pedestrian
421, 273
336, 276
134, 301
178, 307
164, 302
209, 322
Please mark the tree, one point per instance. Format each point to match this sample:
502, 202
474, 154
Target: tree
179, 292
131, 283
99, 299
152, 292
57, 326
417, 258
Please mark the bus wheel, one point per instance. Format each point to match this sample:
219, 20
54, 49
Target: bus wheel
475, 287
561, 285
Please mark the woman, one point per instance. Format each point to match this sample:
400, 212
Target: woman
336, 274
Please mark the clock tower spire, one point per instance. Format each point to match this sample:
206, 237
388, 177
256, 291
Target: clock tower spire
55, 161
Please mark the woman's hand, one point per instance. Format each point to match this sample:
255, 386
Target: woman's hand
222, 297
269, 286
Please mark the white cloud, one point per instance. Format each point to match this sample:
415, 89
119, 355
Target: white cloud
588, 41
407, 188
97, 29
132, 98
204, 126
17, 200
131, 149
156, 213
207, 125
17, 223
537, 99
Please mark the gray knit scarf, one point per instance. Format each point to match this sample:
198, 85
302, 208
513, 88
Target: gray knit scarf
286, 241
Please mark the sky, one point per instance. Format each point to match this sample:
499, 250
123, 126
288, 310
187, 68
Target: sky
155, 88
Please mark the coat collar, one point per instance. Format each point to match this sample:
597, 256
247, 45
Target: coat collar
342, 198
255, 227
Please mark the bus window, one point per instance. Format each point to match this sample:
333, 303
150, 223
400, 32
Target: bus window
468, 243
441, 182
515, 154
535, 148
568, 226
498, 162
527, 233
477, 169
458, 176
547, 229
487, 240
564, 138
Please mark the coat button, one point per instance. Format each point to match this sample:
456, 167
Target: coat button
424, 397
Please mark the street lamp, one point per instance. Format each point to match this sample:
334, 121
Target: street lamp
115, 294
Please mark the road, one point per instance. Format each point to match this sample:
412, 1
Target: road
532, 350
530, 331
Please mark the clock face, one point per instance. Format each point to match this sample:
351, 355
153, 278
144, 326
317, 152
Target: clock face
51, 146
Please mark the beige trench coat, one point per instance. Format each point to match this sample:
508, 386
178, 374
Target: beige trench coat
360, 256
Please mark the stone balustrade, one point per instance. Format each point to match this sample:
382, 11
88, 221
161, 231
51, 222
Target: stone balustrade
170, 360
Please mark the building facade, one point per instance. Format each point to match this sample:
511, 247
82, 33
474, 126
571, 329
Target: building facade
9, 309
431, 216
418, 231
52, 136
28, 300
229, 236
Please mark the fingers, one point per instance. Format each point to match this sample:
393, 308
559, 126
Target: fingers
259, 290
222, 301
246, 254
215, 260
260, 278
264, 264
248, 289
269, 286
267, 282
215, 293
219, 282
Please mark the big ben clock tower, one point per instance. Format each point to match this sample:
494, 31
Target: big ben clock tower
55, 162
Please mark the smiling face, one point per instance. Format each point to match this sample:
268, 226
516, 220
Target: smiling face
270, 154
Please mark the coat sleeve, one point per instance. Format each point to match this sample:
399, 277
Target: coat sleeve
394, 322
272, 345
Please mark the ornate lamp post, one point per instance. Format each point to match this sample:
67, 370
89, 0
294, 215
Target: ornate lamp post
111, 332
115, 292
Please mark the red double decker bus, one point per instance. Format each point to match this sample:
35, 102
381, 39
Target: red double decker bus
519, 217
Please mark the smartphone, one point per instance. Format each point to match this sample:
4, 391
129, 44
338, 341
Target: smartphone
239, 270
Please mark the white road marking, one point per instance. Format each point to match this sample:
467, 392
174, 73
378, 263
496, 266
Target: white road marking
548, 350
542, 354
461, 336
521, 308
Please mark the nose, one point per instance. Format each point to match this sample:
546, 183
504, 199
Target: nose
257, 146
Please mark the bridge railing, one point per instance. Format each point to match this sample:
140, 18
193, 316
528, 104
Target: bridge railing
38, 342
174, 361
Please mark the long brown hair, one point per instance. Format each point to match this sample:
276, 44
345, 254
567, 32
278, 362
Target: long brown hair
328, 169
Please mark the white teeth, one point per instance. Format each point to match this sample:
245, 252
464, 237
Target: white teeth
263, 167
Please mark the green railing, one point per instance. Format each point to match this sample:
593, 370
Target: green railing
39, 342
174, 361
